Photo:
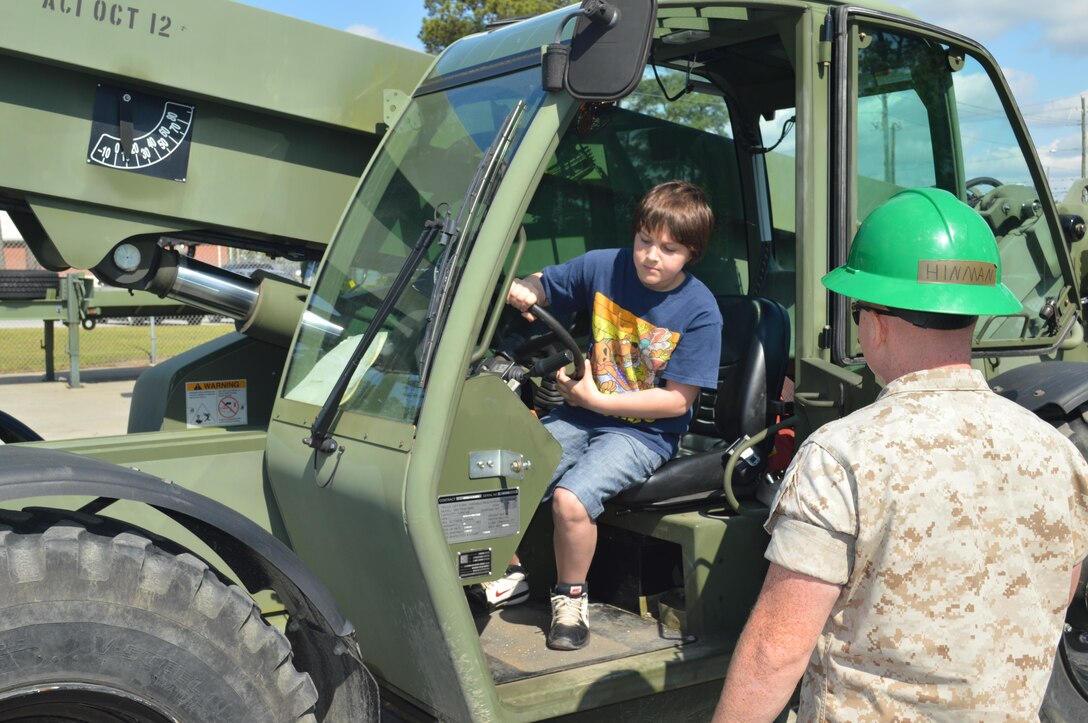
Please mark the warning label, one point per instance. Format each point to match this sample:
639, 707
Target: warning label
474, 563
215, 403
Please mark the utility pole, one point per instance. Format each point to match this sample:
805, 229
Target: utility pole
887, 138
1083, 136
895, 127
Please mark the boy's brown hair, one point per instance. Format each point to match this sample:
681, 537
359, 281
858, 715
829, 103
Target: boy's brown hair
680, 207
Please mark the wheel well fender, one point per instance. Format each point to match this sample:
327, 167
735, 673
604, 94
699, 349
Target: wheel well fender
255, 555
1060, 386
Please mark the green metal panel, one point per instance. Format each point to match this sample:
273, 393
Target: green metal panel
812, 193
224, 465
344, 513
105, 303
286, 115
218, 49
159, 399
723, 562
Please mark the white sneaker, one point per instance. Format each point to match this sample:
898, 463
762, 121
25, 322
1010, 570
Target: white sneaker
510, 589
570, 618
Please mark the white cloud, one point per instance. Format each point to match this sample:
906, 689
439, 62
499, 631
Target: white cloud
367, 31
1064, 25
1022, 83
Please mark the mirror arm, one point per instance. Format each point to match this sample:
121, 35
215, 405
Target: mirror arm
563, 26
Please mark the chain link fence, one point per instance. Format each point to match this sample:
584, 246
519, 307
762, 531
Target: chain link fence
33, 315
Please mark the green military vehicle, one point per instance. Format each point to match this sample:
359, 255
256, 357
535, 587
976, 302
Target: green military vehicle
288, 531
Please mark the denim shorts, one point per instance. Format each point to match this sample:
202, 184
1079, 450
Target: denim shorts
596, 466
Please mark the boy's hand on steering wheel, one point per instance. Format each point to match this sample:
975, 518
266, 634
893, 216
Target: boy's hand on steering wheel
524, 293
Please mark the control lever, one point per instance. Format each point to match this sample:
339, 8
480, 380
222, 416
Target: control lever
545, 367
550, 365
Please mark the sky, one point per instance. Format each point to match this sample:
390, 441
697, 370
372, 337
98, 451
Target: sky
1042, 49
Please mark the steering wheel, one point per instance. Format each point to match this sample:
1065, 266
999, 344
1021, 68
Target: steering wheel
973, 195
563, 336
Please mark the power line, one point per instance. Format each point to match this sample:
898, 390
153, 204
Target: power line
987, 113
1055, 101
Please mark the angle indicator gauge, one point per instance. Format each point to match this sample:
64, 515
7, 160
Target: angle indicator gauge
126, 257
142, 133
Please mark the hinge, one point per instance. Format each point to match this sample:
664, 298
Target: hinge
827, 36
497, 463
393, 103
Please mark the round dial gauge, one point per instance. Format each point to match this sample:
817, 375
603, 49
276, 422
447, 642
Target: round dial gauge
126, 257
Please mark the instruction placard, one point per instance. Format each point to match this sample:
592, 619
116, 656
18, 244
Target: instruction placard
219, 403
480, 515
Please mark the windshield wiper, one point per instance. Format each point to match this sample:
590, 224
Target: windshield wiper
319, 438
450, 233
454, 234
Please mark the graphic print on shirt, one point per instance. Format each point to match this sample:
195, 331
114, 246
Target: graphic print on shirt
628, 353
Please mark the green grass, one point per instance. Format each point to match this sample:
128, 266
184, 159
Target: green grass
107, 345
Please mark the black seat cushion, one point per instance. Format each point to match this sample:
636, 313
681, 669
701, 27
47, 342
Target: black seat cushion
755, 352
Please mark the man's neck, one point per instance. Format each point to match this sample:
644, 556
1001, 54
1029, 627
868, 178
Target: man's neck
927, 367
913, 349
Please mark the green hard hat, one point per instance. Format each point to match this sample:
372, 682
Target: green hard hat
925, 250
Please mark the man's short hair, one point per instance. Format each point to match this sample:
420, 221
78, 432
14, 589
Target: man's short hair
935, 320
680, 207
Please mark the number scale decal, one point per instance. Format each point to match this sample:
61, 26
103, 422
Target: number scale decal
150, 148
133, 131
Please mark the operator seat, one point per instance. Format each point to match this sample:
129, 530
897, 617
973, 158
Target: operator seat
755, 351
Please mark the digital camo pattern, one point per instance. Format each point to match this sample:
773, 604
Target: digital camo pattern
953, 518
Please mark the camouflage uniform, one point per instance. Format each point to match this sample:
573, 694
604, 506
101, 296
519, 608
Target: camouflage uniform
952, 518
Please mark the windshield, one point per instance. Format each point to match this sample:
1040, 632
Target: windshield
421, 173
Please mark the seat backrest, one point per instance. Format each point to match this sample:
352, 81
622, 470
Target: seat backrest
755, 352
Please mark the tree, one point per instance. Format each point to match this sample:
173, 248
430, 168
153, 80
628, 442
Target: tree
693, 110
448, 20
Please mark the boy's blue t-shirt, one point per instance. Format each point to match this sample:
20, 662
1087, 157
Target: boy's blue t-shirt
640, 337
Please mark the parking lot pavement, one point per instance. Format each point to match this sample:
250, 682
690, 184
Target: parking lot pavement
98, 408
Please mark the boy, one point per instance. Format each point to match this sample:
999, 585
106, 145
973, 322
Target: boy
656, 340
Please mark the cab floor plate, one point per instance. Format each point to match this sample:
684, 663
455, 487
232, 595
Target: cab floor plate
513, 639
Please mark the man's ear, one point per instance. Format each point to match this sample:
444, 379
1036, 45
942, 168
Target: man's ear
879, 328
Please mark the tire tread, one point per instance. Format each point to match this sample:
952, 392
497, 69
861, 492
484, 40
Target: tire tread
27, 284
66, 560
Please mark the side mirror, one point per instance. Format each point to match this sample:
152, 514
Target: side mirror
607, 52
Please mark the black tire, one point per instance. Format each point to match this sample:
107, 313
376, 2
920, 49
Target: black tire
94, 624
1066, 699
30, 284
